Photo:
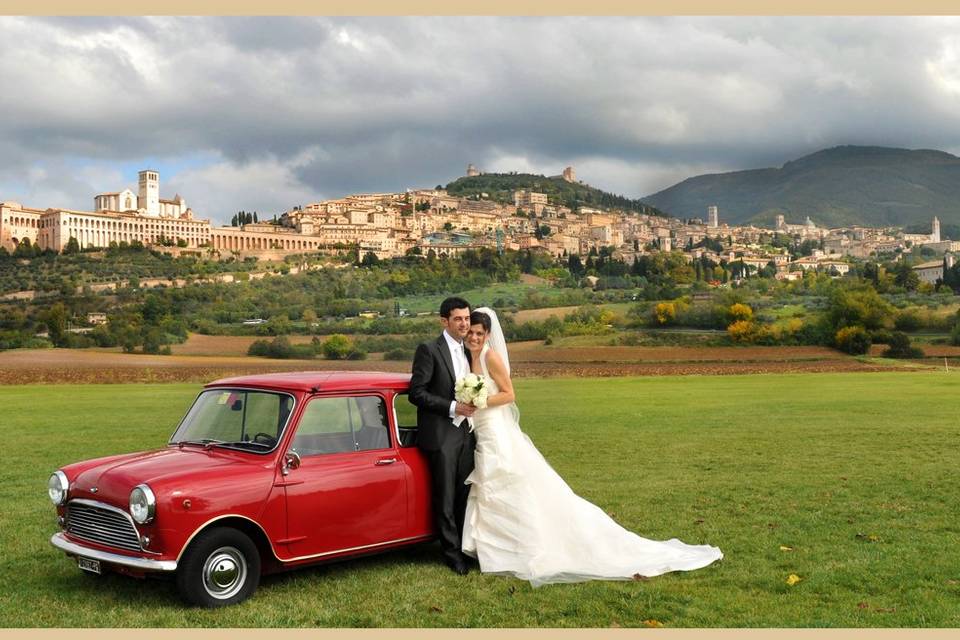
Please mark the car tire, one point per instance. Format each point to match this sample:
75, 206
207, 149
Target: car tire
220, 567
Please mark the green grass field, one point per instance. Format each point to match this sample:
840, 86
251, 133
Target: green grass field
853, 473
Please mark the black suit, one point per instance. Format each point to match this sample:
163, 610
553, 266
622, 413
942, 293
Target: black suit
448, 448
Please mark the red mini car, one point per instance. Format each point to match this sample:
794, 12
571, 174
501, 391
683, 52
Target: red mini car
264, 473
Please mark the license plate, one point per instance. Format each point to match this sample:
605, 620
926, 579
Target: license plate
88, 564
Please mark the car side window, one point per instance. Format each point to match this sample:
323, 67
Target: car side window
338, 425
406, 415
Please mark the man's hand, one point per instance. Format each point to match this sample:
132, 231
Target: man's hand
465, 409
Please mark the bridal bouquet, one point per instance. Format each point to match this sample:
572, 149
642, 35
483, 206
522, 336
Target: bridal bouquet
471, 389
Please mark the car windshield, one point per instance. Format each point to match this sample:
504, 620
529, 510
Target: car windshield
235, 418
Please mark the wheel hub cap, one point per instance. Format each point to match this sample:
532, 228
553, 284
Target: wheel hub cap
224, 572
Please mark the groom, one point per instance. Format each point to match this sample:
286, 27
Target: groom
437, 365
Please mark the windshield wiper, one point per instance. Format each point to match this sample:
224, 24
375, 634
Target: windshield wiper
243, 443
206, 443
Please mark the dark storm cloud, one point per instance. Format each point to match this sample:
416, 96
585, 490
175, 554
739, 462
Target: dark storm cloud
301, 108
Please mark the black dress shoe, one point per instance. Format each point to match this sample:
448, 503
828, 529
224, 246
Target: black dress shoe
459, 566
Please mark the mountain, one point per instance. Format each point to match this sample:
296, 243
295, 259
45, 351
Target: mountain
873, 186
500, 187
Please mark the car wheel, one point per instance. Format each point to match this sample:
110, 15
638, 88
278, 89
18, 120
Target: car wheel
220, 567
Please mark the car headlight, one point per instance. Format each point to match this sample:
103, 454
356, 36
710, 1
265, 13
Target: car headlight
143, 504
57, 487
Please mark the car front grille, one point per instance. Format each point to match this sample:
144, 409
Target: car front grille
102, 524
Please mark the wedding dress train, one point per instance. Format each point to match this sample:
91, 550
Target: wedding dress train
523, 520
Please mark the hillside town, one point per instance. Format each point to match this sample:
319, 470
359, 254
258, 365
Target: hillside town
434, 222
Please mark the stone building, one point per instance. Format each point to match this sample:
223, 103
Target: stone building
118, 217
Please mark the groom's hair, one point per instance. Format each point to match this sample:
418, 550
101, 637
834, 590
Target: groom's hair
452, 303
479, 317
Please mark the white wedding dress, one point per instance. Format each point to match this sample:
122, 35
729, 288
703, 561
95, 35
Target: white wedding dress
523, 520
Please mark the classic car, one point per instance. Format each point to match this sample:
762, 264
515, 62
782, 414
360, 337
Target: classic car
264, 473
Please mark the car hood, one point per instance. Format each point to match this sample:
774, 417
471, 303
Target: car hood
165, 469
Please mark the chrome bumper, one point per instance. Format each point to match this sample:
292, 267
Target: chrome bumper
60, 541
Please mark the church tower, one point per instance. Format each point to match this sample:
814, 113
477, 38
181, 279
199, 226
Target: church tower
149, 196
935, 232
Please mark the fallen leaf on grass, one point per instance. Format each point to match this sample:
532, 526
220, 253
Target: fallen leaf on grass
862, 605
436, 609
652, 623
793, 579
698, 521
772, 525
784, 547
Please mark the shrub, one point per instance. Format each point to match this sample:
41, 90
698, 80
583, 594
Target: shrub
955, 335
398, 354
665, 313
741, 331
900, 347
738, 312
259, 348
337, 347
280, 348
357, 354
854, 340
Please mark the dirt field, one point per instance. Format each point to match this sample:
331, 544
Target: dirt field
102, 366
529, 359
201, 345
542, 314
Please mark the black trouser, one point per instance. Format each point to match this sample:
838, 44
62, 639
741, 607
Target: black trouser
449, 467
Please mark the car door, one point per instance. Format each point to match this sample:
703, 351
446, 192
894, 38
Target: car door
349, 491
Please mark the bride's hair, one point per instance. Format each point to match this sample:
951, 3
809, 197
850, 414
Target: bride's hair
479, 317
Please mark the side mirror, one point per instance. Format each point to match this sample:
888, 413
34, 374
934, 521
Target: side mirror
291, 460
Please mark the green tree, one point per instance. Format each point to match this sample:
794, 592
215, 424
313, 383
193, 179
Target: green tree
863, 307
337, 347
899, 347
904, 276
56, 320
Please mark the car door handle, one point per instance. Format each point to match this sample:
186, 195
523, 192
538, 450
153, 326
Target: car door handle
384, 461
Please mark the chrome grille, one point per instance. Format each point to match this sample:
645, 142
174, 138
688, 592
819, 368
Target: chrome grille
102, 524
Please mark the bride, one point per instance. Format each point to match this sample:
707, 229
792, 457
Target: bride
522, 519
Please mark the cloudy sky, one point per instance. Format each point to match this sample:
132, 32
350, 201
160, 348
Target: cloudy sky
267, 113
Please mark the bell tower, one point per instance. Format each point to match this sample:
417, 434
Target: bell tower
149, 195
935, 231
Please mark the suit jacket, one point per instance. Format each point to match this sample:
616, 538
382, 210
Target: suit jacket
432, 391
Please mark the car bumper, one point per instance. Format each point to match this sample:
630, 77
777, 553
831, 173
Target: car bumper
60, 541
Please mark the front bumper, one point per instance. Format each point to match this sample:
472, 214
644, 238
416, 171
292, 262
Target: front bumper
60, 541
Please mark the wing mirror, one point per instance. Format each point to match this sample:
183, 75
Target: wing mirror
291, 460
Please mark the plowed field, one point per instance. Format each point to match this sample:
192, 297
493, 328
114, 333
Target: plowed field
529, 359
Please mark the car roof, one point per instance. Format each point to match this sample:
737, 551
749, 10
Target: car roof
320, 381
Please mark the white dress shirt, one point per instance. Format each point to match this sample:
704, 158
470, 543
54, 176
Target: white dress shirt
460, 368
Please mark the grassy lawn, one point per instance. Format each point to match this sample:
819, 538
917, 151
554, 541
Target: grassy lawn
851, 473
